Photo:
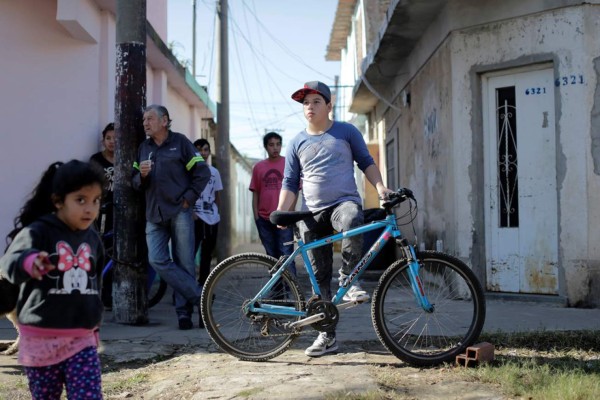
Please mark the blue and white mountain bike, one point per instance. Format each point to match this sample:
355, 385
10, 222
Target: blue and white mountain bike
427, 308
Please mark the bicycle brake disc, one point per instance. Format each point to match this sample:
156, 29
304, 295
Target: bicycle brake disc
332, 315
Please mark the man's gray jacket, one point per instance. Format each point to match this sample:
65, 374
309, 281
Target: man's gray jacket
178, 173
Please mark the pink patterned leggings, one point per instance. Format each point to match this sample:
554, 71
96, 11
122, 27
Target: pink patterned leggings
80, 374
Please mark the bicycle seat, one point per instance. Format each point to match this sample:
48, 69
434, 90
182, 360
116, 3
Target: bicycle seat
286, 218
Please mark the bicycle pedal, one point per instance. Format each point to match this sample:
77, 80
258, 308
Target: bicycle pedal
359, 300
349, 304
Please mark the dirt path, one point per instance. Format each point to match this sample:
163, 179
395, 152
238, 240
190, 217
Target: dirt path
360, 369
205, 373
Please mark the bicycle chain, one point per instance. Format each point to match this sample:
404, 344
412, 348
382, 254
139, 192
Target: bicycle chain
296, 331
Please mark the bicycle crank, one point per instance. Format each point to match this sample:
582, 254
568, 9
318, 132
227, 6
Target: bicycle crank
325, 308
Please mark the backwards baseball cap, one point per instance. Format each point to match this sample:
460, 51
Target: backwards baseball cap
312, 87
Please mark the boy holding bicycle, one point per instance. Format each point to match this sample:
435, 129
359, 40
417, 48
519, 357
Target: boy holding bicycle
323, 154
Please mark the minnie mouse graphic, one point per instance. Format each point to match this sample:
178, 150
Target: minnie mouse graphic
74, 268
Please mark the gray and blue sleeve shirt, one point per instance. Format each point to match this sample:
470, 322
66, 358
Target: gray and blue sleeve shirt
325, 163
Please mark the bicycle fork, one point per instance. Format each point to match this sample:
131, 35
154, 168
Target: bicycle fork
413, 273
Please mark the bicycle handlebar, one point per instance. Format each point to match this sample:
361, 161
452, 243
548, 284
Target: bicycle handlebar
399, 196
404, 193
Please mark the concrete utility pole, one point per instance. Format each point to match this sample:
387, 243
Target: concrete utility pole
222, 139
130, 305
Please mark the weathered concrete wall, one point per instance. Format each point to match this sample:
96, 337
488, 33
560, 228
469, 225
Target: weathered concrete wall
440, 142
568, 38
439, 136
425, 148
442, 128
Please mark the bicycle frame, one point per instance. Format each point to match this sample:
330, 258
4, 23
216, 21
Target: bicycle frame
390, 230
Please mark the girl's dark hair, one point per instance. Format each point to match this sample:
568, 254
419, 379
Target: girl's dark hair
109, 127
59, 180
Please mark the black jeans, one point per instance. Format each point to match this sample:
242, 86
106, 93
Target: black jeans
206, 239
341, 217
273, 240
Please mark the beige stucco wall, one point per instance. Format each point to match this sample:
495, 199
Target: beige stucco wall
440, 147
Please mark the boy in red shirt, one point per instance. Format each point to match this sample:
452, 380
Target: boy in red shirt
265, 185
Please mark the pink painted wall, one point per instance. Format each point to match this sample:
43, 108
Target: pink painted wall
49, 98
57, 89
156, 13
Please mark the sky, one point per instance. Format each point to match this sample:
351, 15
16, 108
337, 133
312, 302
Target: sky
274, 47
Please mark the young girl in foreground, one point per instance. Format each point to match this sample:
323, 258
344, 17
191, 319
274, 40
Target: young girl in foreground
56, 259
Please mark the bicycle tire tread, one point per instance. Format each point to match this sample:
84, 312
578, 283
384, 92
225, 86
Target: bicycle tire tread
206, 302
428, 360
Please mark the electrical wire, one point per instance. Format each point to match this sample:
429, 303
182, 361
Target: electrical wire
259, 41
377, 94
285, 48
262, 62
244, 85
254, 42
212, 49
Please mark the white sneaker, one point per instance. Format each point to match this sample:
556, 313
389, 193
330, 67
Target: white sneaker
322, 345
356, 293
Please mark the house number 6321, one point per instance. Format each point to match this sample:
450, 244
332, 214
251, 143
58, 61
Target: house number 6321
535, 90
569, 80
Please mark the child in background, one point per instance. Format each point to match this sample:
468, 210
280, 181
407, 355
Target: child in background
56, 259
265, 186
106, 160
206, 218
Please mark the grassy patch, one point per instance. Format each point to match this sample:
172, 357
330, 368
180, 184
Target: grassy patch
537, 365
18, 389
124, 384
538, 380
543, 365
546, 340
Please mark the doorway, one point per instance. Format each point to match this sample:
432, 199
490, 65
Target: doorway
521, 216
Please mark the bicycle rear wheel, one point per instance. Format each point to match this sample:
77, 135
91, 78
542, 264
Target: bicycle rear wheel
229, 287
425, 338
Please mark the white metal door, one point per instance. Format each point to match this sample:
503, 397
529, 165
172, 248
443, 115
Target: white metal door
520, 181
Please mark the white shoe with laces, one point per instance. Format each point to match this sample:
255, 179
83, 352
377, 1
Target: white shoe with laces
356, 293
322, 345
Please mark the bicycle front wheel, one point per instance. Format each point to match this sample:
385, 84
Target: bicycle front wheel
424, 338
229, 287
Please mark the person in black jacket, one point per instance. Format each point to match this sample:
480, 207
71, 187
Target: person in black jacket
172, 174
106, 160
55, 258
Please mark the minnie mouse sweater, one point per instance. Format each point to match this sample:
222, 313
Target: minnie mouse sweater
67, 297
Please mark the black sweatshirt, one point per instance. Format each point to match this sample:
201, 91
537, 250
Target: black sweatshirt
67, 297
